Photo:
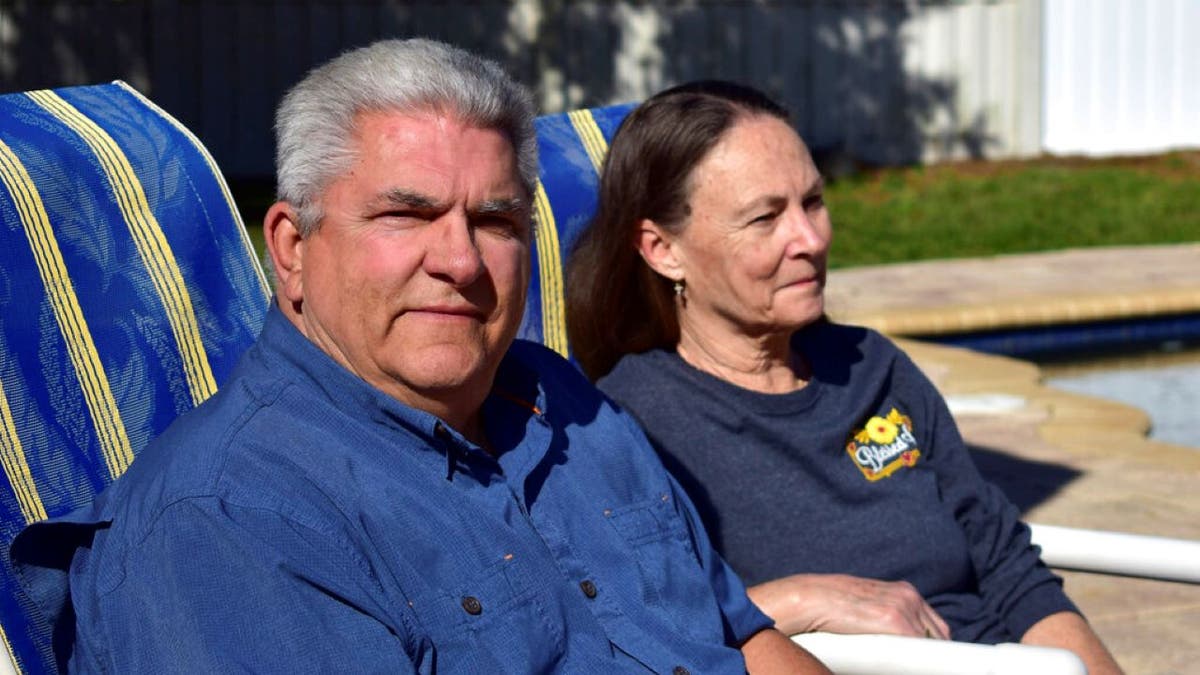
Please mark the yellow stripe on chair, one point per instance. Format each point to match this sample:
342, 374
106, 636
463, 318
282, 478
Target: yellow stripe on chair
16, 467
212, 166
110, 430
151, 244
591, 136
554, 321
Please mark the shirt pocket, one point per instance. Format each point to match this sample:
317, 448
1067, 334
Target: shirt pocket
490, 621
673, 583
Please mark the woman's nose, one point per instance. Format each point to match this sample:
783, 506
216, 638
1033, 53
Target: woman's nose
808, 232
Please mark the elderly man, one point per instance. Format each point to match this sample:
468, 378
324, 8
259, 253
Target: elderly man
389, 482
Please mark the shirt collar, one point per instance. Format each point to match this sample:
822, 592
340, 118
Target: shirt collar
517, 393
282, 344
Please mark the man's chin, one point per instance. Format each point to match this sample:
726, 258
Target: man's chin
443, 368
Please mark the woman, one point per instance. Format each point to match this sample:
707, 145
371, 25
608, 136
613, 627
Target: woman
826, 467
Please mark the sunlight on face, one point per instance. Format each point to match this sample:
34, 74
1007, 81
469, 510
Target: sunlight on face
753, 249
415, 279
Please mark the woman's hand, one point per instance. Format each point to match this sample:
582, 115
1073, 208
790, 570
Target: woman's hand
838, 603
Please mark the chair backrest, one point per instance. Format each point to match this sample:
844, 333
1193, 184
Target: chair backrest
571, 148
128, 290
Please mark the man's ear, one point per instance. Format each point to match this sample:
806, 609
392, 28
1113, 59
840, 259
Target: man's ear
657, 247
285, 247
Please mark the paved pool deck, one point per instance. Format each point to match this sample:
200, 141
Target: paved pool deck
1066, 459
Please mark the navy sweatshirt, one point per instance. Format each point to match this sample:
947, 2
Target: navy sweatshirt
861, 472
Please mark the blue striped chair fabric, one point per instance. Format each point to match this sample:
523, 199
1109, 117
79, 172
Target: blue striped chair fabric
571, 148
128, 289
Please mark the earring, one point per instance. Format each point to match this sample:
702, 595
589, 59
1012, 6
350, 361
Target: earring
679, 288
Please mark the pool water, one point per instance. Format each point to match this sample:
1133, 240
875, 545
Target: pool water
1164, 382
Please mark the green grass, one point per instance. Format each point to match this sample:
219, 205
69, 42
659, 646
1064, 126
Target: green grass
988, 208
973, 209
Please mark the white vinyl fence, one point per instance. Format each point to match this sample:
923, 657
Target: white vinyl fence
1121, 76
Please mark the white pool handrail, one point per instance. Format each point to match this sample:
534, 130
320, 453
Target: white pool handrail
1108, 552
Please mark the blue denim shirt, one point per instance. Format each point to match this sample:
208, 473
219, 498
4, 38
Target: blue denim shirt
303, 521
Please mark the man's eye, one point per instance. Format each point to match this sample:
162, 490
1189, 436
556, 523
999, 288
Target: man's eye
500, 225
402, 220
764, 218
814, 202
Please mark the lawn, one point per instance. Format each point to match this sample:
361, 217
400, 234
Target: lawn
974, 209
969, 209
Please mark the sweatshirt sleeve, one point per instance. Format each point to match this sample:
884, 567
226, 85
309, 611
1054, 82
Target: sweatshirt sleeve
1013, 581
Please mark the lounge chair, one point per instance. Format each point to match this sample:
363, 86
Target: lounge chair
128, 290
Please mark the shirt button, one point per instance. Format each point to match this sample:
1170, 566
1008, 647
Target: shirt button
588, 588
472, 605
680, 670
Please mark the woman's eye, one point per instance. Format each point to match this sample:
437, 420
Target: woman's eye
763, 218
814, 202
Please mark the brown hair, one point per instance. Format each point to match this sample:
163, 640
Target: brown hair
616, 304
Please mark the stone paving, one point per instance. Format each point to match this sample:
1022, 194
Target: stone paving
1066, 459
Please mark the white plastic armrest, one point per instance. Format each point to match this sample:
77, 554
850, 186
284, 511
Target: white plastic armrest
1118, 553
895, 655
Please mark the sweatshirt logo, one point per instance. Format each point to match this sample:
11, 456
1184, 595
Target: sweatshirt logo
883, 445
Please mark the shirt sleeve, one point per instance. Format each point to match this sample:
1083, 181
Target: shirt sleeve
742, 618
215, 587
1013, 581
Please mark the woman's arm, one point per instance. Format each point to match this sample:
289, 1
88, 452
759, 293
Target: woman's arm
769, 651
838, 603
1012, 578
1068, 630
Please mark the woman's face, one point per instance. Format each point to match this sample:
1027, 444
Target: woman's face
753, 249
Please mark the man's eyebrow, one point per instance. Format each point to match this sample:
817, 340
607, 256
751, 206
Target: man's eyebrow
400, 197
500, 207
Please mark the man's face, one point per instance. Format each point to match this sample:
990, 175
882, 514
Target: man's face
416, 278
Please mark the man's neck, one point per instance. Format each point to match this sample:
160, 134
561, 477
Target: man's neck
458, 407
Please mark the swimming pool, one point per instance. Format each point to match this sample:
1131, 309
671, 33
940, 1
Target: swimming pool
1164, 382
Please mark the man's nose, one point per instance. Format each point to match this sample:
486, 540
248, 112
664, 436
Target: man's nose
452, 254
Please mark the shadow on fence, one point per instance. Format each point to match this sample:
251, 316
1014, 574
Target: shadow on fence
220, 67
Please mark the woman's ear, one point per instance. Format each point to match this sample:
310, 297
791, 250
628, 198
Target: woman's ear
658, 248
285, 246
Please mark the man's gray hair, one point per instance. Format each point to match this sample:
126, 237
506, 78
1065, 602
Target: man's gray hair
315, 120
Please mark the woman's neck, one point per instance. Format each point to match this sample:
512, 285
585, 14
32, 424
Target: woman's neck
765, 364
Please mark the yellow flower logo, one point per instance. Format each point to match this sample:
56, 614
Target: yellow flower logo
883, 445
881, 431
